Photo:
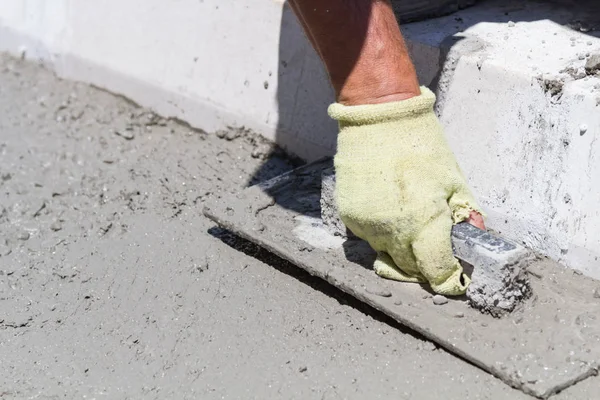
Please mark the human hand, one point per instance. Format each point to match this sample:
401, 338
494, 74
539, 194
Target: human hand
399, 187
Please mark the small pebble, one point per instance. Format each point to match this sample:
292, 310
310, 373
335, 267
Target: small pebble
427, 346
597, 293
439, 300
426, 296
377, 291
511, 24
4, 251
256, 153
221, 134
56, 226
459, 315
589, 43
232, 134
302, 369
583, 129
398, 302
23, 235
127, 135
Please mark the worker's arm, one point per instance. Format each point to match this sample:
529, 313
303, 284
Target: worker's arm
362, 48
398, 184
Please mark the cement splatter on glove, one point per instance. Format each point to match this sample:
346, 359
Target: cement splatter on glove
400, 188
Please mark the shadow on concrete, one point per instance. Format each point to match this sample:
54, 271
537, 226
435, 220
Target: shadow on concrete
316, 283
359, 252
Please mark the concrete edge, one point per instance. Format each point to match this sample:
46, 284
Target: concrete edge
199, 113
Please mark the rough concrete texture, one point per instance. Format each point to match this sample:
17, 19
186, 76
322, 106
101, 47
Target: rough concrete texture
547, 345
329, 213
139, 296
499, 279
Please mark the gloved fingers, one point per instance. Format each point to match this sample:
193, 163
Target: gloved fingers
462, 203
432, 248
385, 267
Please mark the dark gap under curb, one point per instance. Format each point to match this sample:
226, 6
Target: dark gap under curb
253, 250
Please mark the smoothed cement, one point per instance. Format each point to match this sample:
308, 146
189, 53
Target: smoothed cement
550, 343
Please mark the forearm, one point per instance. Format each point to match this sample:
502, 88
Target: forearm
362, 48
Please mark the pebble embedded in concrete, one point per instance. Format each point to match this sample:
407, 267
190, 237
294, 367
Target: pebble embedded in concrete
427, 346
221, 134
377, 291
4, 249
592, 66
125, 134
597, 293
23, 235
439, 300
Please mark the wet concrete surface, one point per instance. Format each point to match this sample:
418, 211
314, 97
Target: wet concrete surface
549, 343
113, 284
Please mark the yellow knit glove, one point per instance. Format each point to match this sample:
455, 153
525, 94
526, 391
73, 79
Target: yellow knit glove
398, 187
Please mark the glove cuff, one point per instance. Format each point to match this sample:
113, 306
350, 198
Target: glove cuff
377, 113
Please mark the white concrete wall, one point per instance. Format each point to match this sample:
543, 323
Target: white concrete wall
215, 63
210, 62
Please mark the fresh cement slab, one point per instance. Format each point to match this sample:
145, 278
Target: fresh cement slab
114, 286
552, 342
